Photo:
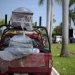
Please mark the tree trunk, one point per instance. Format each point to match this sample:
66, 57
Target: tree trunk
74, 15
51, 22
48, 20
48, 16
65, 10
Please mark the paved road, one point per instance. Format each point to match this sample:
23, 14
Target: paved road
54, 71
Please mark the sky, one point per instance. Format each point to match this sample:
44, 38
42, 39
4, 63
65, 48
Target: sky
7, 6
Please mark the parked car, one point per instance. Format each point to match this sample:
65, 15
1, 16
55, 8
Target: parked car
57, 39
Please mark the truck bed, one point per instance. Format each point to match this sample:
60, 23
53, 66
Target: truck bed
36, 63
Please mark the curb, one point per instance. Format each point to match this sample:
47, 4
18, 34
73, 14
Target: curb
54, 71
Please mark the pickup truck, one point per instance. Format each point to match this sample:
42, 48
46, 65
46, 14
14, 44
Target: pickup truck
43, 60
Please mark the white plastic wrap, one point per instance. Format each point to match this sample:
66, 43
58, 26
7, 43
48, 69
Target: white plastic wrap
22, 20
27, 25
19, 46
21, 41
12, 53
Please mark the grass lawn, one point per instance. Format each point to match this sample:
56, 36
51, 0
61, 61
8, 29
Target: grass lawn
65, 66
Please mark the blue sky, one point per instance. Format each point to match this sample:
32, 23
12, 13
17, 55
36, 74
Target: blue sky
7, 6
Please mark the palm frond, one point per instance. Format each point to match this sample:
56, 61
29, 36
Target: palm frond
41, 2
58, 1
71, 2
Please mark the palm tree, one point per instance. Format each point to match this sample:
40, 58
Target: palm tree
48, 21
71, 2
49, 16
65, 21
64, 51
65, 4
71, 16
65, 11
72, 12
